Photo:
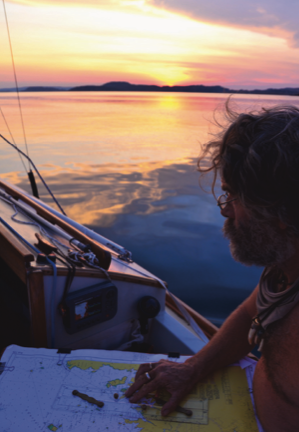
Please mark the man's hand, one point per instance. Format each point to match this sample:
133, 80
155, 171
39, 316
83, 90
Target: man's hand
177, 378
227, 346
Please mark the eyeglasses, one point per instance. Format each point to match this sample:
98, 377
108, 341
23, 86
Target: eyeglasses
223, 200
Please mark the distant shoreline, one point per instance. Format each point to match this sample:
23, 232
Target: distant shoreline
121, 86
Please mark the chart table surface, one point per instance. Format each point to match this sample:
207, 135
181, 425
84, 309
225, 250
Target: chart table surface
36, 394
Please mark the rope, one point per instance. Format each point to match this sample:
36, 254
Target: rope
71, 272
90, 259
34, 223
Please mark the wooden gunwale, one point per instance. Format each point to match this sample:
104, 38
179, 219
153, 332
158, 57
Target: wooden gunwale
35, 289
18, 258
101, 252
207, 327
17, 249
94, 273
14, 253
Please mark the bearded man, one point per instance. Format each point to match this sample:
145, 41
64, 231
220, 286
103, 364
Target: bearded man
257, 158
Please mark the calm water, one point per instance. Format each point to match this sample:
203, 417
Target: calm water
124, 164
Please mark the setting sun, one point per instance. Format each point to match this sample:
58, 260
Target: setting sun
75, 43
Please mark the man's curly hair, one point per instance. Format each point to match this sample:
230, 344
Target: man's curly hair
257, 155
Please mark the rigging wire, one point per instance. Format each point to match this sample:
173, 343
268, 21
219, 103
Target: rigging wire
12, 138
37, 172
16, 81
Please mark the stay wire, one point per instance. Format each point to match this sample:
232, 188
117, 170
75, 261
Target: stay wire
37, 172
16, 81
12, 138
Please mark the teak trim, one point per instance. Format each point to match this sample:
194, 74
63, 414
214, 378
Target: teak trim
97, 249
35, 288
14, 253
96, 274
207, 327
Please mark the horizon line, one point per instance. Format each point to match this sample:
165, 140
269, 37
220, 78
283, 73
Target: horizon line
126, 86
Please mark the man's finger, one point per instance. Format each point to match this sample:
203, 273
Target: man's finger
171, 404
142, 369
150, 387
134, 387
143, 379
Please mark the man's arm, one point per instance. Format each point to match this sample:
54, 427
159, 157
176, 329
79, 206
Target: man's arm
228, 345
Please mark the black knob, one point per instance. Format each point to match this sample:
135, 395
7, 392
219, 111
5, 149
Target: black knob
148, 307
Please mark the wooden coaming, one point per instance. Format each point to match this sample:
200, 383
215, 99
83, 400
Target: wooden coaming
14, 253
207, 327
35, 288
95, 273
95, 246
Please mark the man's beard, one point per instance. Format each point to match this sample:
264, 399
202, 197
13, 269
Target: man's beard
258, 242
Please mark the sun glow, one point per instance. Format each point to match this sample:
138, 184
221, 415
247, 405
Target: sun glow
75, 44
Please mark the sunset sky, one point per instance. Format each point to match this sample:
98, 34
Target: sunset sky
233, 43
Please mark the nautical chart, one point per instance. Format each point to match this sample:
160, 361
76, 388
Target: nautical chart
36, 394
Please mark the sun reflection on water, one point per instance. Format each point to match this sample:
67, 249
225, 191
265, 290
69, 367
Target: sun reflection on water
96, 194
